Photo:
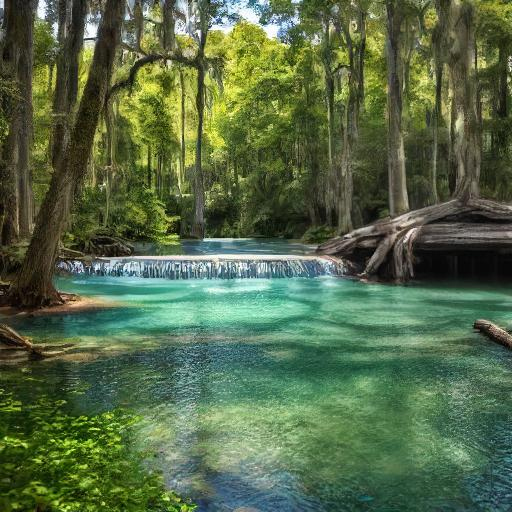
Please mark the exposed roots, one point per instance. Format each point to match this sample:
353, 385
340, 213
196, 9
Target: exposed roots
386, 247
32, 299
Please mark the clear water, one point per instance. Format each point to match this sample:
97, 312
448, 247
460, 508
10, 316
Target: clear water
227, 246
301, 394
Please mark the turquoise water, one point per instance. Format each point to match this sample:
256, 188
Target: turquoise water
227, 246
298, 394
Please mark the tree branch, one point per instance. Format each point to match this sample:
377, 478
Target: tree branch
149, 59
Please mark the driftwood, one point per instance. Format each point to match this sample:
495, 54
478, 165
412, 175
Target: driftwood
10, 337
106, 245
494, 332
478, 224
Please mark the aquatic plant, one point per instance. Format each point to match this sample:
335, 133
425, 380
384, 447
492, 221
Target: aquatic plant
51, 460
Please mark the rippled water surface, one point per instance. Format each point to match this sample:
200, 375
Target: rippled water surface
299, 394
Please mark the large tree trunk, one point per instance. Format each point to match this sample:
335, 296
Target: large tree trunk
398, 198
138, 17
311, 151
199, 199
72, 15
501, 108
16, 202
351, 132
169, 22
198, 227
438, 50
110, 164
33, 285
349, 137
26, 200
331, 182
465, 129
361, 56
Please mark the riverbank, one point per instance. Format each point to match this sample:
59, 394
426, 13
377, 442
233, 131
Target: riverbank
72, 304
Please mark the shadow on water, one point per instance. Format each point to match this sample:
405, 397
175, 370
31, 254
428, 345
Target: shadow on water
311, 395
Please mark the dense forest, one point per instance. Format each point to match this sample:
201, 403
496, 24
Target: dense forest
164, 122
313, 141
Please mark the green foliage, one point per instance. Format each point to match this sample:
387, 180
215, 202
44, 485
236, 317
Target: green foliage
137, 214
265, 143
142, 217
55, 462
45, 45
318, 234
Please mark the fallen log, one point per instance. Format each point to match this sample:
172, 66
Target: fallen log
67, 254
493, 332
386, 247
464, 236
10, 337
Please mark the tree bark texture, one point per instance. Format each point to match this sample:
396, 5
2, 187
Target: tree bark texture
169, 22
198, 228
473, 225
398, 198
355, 98
199, 198
72, 14
439, 57
465, 128
33, 285
16, 200
182, 127
493, 332
331, 182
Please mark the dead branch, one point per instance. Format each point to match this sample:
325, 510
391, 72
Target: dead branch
493, 332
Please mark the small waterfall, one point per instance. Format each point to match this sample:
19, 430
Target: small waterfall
206, 268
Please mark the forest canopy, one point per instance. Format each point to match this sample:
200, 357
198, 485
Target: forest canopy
183, 118
278, 116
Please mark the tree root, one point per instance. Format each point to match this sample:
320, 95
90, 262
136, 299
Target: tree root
26, 299
389, 244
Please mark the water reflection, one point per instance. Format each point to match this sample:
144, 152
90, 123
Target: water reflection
296, 395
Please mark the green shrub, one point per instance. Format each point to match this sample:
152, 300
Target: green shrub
53, 461
318, 234
137, 215
142, 216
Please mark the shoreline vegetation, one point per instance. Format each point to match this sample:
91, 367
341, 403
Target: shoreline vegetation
54, 460
377, 128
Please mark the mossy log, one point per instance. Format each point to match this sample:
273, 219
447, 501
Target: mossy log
494, 332
386, 248
10, 337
